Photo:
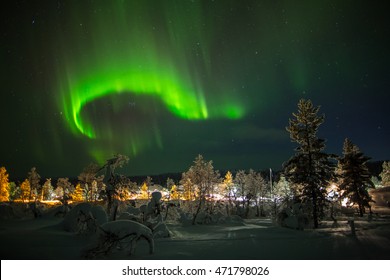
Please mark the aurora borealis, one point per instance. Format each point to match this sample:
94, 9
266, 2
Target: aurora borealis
162, 81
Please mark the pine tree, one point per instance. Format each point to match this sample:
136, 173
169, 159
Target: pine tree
354, 177
309, 170
35, 188
385, 174
25, 190
202, 175
4, 185
78, 194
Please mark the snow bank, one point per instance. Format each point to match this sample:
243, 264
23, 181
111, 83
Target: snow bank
81, 213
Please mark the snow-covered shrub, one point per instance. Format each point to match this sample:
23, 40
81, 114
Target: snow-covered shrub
84, 218
133, 210
161, 231
122, 235
294, 215
130, 217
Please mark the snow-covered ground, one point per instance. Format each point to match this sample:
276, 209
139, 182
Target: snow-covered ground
44, 238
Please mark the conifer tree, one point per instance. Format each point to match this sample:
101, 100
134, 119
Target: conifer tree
4, 185
309, 171
78, 194
354, 177
34, 179
385, 174
25, 190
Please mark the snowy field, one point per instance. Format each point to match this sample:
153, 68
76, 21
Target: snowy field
44, 238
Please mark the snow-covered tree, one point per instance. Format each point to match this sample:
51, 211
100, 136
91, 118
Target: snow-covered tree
309, 171
35, 188
67, 188
240, 182
25, 190
257, 189
203, 176
111, 180
282, 189
385, 174
354, 177
86, 179
189, 192
4, 185
47, 189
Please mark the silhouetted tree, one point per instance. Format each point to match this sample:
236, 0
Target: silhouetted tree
309, 171
354, 177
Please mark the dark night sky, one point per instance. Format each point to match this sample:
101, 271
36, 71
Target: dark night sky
162, 81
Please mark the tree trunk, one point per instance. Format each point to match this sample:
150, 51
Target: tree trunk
197, 211
315, 210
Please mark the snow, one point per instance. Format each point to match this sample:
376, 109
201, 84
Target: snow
45, 238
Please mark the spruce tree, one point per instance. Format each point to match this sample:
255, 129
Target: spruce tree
385, 174
309, 171
354, 177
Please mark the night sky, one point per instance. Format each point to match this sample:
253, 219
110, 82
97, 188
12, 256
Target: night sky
163, 81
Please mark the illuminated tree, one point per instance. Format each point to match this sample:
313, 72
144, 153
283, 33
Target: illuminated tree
228, 184
202, 175
385, 174
189, 191
174, 194
309, 171
86, 178
240, 181
35, 187
25, 190
4, 185
354, 177
78, 194
257, 189
66, 187
47, 190
14, 191
144, 191
282, 189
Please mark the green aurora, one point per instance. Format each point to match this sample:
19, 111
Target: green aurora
125, 55
162, 81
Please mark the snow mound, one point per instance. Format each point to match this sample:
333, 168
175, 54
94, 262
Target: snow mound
6, 212
81, 213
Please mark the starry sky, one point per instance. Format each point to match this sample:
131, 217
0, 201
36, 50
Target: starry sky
163, 81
